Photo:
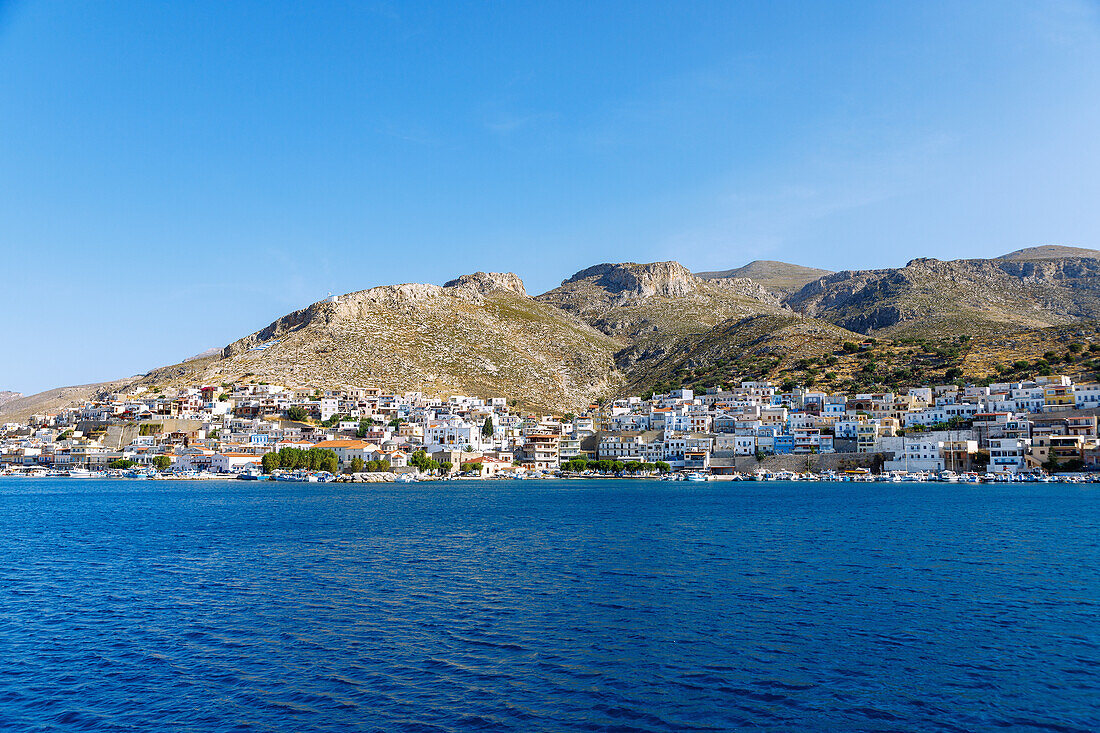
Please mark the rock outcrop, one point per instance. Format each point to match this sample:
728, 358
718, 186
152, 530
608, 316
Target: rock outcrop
668, 279
490, 282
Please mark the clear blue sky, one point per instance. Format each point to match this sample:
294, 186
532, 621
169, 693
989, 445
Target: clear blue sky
174, 175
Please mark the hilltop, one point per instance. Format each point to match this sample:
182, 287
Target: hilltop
781, 277
1051, 252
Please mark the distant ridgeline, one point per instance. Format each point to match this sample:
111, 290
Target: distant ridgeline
619, 328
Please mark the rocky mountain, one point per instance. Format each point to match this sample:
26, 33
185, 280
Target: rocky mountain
779, 277
8, 396
649, 308
479, 334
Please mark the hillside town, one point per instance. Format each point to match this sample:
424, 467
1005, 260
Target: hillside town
1046, 425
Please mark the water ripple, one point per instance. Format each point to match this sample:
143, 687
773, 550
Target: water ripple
589, 606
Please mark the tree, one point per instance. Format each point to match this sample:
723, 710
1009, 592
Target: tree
487, 428
269, 462
329, 461
333, 420
121, 463
420, 461
162, 463
356, 465
297, 413
446, 466
663, 467
470, 467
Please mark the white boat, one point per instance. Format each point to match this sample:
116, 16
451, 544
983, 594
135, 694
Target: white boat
696, 476
80, 473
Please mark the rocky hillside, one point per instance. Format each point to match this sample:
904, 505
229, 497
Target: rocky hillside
779, 277
480, 334
930, 297
8, 396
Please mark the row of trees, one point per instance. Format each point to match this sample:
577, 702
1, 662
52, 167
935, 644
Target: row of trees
312, 459
161, 463
605, 465
423, 463
358, 465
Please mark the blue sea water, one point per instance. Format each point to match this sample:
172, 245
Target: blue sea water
580, 605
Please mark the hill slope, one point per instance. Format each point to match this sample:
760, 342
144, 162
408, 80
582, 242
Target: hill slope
763, 346
20, 408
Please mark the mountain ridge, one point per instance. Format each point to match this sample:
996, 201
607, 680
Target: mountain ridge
612, 327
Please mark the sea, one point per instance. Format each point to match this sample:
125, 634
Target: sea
611, 605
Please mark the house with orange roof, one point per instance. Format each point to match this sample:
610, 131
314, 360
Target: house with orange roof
230, 462
486, 466
348, 450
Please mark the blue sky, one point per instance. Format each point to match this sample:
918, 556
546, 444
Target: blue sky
176, 175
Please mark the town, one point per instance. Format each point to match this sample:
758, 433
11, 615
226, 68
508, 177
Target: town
1000, 431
